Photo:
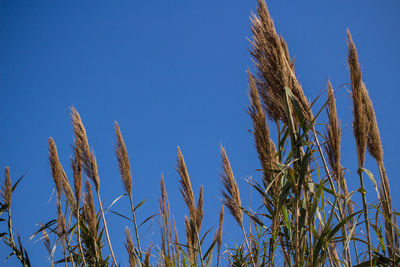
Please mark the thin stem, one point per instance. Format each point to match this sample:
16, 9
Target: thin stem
105, 227
364, 200
247, 244
198, 244
79, 238
136, 228
332, 186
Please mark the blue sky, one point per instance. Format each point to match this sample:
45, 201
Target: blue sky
171, 73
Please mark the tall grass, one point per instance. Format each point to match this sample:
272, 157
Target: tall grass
307, 216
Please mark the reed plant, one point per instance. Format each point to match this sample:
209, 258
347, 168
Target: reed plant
306, 213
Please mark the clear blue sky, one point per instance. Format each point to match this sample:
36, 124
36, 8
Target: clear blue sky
171, 73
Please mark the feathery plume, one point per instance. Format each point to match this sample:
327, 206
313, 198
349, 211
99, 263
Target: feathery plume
231, 194
69, 194
218, 234
199, 210
334, 135
275, 70
123, 160
374, 147
130, 248
166, 231
285, 48
332, 147
374, 143
81, 143
56, 169
360, 120
77, 172
265, 146
59, 176
186, 186
6, 189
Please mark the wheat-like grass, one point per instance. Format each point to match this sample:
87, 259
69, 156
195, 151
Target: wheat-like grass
374, 147
360, 123
56, 169
275, 70
130, 248
59, 176
186, 186
125, 171
81, 143
89, 164
266, 148
123, 160
231, 194
76, 164
218, 234
6, 189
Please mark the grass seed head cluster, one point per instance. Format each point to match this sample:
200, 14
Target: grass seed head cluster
307, 215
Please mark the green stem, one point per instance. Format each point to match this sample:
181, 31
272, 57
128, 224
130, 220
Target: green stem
136, 228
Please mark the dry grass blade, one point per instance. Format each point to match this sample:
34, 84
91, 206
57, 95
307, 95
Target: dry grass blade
46, 240
130, 248
81, 143
6, 189
231, 194
123, 160
275, 70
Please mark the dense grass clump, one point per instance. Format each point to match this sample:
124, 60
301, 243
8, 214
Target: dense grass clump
307, 215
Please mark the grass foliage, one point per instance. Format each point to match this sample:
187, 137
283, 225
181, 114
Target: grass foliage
306, 214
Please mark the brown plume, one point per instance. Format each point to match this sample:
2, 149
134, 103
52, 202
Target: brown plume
265, 146
360, 120
6, 189
81, 143
123, 160
231, 194
274, 68
130, 248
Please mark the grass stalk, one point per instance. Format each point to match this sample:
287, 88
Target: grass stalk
79, 237
135, 226
106, 228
